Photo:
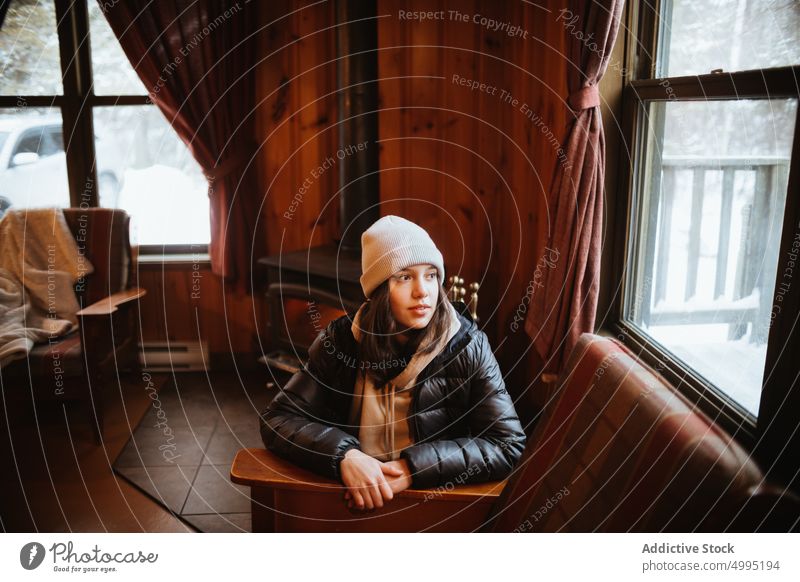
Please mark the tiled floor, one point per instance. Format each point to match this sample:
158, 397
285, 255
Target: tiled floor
181, 452
56, 478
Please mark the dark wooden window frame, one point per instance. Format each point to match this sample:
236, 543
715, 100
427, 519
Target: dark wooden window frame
77, 111
774, 437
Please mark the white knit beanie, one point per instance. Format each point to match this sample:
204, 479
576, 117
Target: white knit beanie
391, 244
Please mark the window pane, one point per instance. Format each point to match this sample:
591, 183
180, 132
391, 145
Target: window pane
112, 71
33, 166
29, 57
711, 207
143, 167
733, 35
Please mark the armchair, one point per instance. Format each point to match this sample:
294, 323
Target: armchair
78, 366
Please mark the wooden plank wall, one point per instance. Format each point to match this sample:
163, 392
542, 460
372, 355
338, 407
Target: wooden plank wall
187, 302
464, 164
297, 117
481, 167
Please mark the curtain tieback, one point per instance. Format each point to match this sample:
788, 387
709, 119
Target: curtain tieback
584, 98
230, 163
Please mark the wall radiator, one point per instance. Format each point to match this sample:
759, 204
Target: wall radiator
180, 356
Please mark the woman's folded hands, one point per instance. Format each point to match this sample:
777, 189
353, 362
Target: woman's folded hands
370, 483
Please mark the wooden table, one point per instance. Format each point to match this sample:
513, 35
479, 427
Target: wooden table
286, 498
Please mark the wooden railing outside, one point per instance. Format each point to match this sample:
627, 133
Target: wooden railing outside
757, 248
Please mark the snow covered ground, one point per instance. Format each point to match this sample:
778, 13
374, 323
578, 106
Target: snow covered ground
166, 206
737, 366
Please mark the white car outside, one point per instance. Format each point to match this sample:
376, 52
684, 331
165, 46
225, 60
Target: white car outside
33, 167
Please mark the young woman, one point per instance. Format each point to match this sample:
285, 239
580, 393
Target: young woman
404, 392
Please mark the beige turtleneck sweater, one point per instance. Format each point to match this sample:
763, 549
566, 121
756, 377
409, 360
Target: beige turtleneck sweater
382, 412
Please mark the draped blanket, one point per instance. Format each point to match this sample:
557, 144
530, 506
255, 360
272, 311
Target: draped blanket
39, 265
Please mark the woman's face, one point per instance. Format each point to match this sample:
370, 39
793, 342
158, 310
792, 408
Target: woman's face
414, 286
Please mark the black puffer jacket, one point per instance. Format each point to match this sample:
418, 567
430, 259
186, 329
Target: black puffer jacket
462, 420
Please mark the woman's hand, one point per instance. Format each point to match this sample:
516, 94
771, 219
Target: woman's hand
365, 481
402, 481
398, 478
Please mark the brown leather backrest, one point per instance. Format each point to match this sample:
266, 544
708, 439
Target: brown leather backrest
618, 449
102, 235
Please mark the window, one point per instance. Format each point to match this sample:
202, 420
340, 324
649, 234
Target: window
29, 50
712, 236
732, 35
711, 204
161, 179
67, 81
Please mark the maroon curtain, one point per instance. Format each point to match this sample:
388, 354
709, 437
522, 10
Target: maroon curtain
564, 298
196, 59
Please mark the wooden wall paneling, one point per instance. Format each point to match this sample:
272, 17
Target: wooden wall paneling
187, 302
276, 87
297, 116
167, 308
460, 160
445, 210
528, 173
295, 234
151, 306
314, 158
328, 84
232, 331
523, 209
551, 92
520, 208
542, 56
172, 306
552, 69
490, 236
392, 87
294, 77
424, 155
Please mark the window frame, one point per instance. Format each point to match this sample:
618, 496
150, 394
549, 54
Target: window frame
77, 104
772, 436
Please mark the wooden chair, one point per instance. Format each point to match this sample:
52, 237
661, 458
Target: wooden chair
286, 498
78, 365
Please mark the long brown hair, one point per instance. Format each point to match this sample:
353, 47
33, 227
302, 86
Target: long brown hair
379, 331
